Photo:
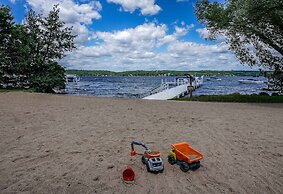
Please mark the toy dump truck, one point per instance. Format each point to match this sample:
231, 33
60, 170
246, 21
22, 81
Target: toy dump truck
185, 156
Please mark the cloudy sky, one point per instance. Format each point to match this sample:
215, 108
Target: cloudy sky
121, 35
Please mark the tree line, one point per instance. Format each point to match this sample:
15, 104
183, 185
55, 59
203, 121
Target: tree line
29, 52
162, 73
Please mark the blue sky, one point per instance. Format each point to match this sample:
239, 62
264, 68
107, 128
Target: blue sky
122, 35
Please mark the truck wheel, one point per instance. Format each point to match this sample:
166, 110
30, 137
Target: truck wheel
161, 171
184, 167
195, 166
171, 160
143, 159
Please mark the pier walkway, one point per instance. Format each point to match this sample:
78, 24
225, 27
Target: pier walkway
175, 92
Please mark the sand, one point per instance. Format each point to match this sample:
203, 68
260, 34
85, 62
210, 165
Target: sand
71, 144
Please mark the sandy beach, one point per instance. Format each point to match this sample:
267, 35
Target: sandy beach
71, 144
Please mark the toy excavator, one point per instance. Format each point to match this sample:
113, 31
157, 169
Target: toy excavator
150, 158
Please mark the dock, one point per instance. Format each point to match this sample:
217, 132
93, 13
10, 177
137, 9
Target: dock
179, 89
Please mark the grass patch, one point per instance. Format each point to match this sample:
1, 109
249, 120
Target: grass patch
235, 98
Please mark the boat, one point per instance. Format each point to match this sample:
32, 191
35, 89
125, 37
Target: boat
214, 78
251, 81
72, 78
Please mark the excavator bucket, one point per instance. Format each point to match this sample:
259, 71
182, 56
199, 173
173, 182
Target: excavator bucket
133, 152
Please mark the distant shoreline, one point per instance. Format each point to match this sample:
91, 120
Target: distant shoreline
162, 73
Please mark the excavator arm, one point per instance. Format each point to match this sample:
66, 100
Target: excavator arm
133, 152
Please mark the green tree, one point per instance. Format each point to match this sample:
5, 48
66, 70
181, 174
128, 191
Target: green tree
50, 41
50, 38
13, 49
29, 53
254, 29
19, 53
6, 24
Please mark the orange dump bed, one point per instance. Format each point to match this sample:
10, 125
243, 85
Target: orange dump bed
186, 153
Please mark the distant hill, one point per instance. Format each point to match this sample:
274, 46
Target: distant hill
161, 73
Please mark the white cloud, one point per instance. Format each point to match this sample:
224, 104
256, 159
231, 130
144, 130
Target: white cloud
142, 38
150, 47
13, 1
147, 7
182, 31
73, 14
139, 40
205, 34
195, 49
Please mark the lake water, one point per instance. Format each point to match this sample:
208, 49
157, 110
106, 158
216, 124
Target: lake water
137, 87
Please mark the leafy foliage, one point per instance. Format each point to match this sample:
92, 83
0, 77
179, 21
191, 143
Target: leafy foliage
254, 29
50, 77
50, 39
6, 23
13, 48
30, 51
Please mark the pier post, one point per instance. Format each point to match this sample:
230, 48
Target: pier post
190, 86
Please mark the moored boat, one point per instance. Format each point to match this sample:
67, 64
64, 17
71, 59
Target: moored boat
72, 78
251, 81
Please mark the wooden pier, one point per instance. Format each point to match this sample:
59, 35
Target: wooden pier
181, 89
